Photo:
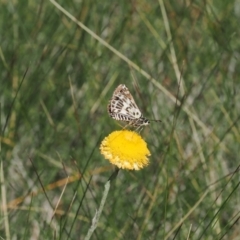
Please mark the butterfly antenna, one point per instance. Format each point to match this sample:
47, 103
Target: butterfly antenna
154, 120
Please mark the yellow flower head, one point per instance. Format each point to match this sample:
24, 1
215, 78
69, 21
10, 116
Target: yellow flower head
126, 149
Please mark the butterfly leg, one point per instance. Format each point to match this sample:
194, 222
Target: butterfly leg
139, 129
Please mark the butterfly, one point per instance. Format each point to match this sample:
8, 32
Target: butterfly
123, 107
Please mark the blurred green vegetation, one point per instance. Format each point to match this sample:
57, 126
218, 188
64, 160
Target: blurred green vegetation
56, 81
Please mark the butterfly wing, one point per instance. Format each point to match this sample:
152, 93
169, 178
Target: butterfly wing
122, 105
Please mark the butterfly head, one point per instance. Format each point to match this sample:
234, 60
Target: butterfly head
145, 121
140, 122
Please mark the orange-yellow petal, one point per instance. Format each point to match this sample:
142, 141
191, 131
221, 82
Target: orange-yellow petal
125, 149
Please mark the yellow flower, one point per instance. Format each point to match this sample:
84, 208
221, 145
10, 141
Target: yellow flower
125, 149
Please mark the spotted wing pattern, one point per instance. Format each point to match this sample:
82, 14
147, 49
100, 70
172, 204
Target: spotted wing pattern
123, 107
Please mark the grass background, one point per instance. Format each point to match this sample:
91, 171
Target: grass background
56, 80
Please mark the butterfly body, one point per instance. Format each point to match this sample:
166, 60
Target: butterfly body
123, 107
